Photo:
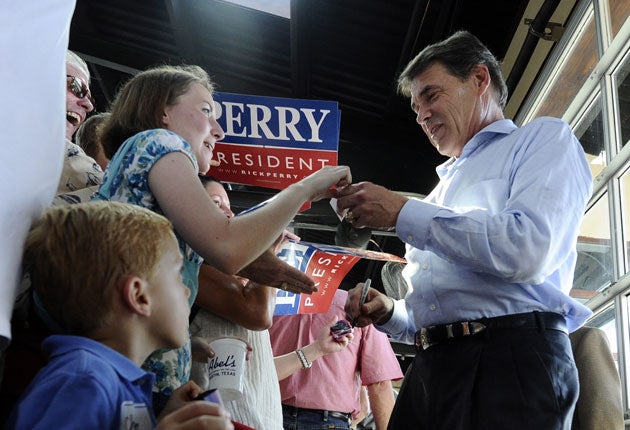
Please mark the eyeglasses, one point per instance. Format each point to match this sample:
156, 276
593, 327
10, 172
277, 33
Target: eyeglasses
79, 88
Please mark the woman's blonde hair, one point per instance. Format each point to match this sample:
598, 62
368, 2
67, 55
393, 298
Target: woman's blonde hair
76, 255
140, 103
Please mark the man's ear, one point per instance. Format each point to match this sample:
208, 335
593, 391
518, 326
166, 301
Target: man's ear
135, 294
481, 76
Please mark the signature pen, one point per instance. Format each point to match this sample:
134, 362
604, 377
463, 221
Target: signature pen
364, 293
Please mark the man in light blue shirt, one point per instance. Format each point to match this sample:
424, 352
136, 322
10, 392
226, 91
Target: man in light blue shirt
491, 253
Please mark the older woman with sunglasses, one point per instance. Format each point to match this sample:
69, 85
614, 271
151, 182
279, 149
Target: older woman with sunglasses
81, 174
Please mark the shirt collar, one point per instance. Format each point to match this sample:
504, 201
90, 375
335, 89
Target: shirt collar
126, 369
485, 135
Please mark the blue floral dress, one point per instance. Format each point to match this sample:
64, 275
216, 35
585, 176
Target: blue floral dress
126, 180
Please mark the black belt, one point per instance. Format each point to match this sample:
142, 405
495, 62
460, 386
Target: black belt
429, 336
294, 410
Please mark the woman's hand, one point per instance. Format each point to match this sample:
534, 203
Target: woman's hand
327, 344
319, 185
200, 349
271, 271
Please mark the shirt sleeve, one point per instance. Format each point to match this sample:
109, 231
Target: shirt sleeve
79, 170
65, 401
535, 230
401, 325
378, 361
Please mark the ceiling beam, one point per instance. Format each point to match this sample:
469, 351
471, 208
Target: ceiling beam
300, 49
183, 29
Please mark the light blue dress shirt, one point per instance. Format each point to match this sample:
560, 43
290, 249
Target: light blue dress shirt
498, 234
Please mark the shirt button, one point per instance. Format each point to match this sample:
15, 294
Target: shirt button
433, 307
409, 238
425, 267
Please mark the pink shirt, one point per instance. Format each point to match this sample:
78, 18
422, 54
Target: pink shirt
334, 381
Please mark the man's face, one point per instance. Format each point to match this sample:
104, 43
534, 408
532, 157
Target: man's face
77, 107
448, 109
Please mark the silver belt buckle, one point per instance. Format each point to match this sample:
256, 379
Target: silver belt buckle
424, 338
473, 327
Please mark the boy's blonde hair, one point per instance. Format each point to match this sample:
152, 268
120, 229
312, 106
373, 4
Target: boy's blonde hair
76, 256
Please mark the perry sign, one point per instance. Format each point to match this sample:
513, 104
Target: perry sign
327, 265
273, 142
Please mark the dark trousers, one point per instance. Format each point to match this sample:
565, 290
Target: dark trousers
498, 379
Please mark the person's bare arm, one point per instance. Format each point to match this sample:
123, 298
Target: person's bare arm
382, 402
231, 244
224, 295
325, 344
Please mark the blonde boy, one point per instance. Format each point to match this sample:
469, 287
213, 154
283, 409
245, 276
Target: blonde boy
107, 275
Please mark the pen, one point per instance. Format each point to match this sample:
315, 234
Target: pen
364, 293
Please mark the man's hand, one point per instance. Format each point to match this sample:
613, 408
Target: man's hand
370, 205
377, 309
271, 271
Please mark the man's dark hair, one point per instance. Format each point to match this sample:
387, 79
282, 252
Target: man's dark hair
459, 53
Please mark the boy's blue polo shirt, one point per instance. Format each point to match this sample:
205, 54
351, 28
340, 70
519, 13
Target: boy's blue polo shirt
85, 385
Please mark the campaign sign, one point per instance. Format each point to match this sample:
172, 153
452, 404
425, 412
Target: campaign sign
273, 142
326, 269
327, 265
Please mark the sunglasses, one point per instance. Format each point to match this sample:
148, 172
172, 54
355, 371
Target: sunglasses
79, 88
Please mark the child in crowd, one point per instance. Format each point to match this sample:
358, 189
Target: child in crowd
108, 275
160, 135
88, 138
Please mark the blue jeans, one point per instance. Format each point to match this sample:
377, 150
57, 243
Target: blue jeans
305, 419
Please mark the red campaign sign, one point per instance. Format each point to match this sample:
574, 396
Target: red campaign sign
328, 271
270, 167
327, 265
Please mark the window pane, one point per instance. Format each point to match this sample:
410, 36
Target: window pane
593, 270
573, 74
624, 185
622, 79
590, 133
619, 11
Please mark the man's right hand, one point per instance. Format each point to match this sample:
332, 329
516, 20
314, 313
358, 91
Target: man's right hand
370, 205
377, 309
